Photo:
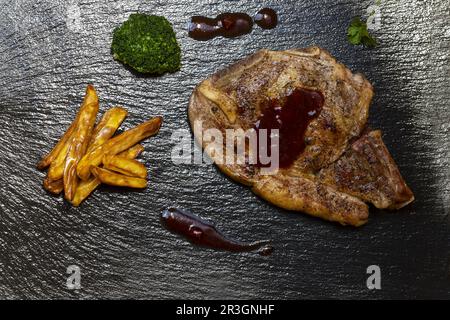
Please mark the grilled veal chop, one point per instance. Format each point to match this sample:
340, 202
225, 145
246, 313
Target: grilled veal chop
330, 164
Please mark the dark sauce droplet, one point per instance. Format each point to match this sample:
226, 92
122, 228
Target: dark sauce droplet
230, 24
266, 18
195, 232
204, 233
234, 24
291, 116
203, 28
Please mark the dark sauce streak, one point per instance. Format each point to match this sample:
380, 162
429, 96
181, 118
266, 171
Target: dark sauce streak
266, 18
203, 28
229, 24
234, 24
203, 233
291, 116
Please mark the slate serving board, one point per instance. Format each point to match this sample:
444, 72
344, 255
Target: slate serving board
49, 52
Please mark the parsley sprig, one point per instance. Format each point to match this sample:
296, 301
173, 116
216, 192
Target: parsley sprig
358, 34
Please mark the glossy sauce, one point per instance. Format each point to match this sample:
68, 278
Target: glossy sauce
230, 24
266, 18
291, 117
203, 233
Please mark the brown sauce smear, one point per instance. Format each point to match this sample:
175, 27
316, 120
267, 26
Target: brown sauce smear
230, 24
291, 117
203, 233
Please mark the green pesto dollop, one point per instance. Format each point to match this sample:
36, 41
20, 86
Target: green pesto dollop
147, 43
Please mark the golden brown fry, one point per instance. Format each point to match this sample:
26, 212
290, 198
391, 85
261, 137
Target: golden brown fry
85, 188
117, 144
128, 167
62, 143
56, 170
81, 136
53, 186
107, 126
115, 179
48, 159
132, 152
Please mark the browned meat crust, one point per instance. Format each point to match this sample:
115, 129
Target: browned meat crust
320, 181
367, 171
317, 199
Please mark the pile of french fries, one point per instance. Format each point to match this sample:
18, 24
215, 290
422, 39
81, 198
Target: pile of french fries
88, 154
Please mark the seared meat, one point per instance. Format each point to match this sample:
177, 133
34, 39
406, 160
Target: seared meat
367, 171
339, 168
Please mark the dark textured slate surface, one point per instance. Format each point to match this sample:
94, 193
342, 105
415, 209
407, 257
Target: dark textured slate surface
116, 238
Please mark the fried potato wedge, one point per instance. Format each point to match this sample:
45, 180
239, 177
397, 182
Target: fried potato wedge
116, 179
51, 156
56, 170
128, 167
57, 149
53, 186
132, 152
85, 188
105, 129
80, 140
117, 144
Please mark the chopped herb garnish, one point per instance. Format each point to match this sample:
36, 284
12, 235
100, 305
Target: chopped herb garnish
358, 34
